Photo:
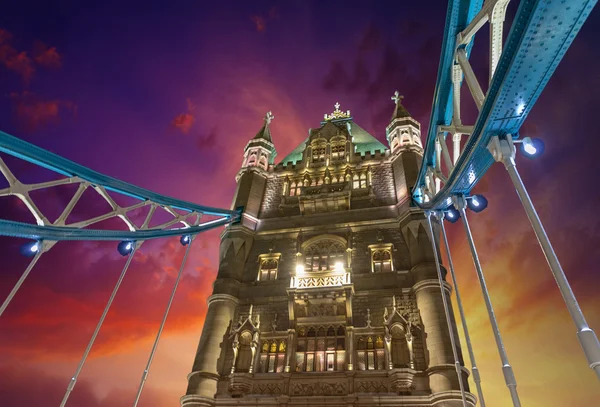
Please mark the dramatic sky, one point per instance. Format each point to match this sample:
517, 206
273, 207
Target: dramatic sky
166, 97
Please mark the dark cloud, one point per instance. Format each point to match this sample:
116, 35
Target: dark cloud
45, 56
32, 112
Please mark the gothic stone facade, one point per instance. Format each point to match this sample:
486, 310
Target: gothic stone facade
327, 291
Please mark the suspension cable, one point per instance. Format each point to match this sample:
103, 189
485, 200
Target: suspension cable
476, 376
73, 381
447, 311
162, 325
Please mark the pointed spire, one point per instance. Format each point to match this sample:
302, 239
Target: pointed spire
264, 132
400, 111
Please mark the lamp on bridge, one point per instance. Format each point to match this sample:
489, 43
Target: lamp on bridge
30, 249
125, 247
451, 214
477, 203
185, 240
532, 147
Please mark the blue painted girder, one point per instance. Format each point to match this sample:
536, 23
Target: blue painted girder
458, 16
26, 151
58, 233
541, 33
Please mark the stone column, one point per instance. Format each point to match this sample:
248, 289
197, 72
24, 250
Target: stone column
290, 350
350, 346
236, 347
202, 382
441, 371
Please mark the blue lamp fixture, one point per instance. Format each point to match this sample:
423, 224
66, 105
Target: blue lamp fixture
451, 214
185, 240
125, 247
477, 203
532, 148
30, 249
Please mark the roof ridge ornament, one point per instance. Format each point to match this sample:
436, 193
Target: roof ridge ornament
337, 113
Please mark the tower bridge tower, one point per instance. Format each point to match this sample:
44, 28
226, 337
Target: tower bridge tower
327, 291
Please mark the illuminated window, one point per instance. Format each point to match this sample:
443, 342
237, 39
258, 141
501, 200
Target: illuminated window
321, 349
272, 356
381, 258
370, 353
252, 159
359, 181
323, 255
319, 148
268, 265
338, 151
295, 188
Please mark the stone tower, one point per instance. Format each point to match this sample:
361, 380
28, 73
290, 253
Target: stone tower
327, 290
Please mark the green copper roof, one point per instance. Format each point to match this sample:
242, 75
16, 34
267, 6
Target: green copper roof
362, 140
296, 154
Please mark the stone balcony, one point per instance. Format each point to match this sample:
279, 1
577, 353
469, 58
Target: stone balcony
331, 279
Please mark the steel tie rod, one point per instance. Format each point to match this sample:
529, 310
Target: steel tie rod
509, 376
447, 312
73, 381
162, 325
463, 319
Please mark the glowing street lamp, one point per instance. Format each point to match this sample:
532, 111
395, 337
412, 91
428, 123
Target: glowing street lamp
185, 240
451, 214
477, 203
125, 247
30, 249
532, 148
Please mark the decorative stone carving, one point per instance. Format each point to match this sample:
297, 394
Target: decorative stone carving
272, 389
371, 386
318, 389
402, 382
240, 384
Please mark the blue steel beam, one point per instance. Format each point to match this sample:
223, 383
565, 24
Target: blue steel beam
541, 34
460, 13
26, 151
58, 233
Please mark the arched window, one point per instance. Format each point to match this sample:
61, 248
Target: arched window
244, 358
323, 255
321, 349
338, 150
370, 353
318, 150
272, 355
252, 159
400, 355
382, 260
263, 163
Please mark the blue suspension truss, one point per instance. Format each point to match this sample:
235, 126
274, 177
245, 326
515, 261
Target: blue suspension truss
540, 36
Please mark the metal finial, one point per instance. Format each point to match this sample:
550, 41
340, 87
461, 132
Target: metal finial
268, 118
397, 98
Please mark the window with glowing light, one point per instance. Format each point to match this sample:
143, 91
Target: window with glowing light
268, 266
272, 356
370, 353
381, 258
321, 349
323, 255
